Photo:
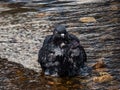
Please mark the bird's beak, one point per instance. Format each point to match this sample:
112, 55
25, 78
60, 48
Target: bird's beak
62, 35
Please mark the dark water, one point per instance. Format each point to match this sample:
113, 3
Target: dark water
101, 41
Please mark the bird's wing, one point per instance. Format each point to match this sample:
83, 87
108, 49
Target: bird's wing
75, 40
73, 37
83, 53
47, 40
44, 50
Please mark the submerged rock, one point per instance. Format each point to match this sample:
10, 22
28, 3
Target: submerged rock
99, 64
103, 78
87, 19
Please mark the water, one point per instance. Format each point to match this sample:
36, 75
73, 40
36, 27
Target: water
31, 21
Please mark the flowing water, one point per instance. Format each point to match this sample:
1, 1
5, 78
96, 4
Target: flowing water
25, 23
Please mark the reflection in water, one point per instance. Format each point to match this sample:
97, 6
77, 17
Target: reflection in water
100, 39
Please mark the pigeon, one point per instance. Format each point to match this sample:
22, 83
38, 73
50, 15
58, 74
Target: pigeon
61, 54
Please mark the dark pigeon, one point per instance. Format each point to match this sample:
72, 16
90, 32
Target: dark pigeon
62, 54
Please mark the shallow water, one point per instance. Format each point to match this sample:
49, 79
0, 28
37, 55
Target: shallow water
100, 39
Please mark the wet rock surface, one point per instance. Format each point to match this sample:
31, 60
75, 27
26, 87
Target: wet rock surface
14, 76
23, 26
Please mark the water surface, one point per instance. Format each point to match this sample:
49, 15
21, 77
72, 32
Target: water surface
31, 21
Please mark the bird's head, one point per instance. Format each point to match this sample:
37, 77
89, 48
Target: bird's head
60, 32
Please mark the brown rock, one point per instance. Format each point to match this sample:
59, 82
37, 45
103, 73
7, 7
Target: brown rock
51, 83
87, 19
99, 64
104, 78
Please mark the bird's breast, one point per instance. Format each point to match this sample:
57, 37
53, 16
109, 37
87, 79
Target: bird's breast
58, 51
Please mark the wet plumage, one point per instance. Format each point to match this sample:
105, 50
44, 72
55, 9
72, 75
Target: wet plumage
61, 54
